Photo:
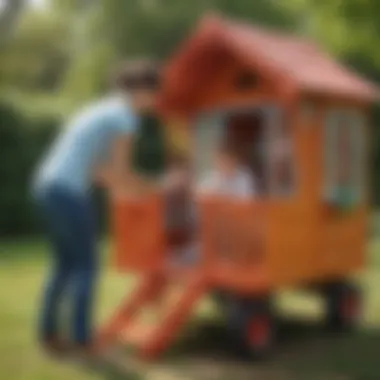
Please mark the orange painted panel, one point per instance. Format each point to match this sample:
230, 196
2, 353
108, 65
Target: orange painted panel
233, 235
344, 242
138, 236
290, 243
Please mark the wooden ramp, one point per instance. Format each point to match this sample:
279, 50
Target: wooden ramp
171, 298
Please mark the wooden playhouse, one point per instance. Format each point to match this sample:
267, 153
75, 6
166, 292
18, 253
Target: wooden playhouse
299, 120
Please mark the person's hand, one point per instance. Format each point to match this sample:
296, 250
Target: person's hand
102, 177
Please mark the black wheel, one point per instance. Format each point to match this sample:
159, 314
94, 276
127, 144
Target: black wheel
343, 307
252, 327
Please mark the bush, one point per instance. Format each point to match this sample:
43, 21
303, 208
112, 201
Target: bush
22, 140
149, 151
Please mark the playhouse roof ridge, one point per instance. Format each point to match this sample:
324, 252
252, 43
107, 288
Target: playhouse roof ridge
296, 60
282, 49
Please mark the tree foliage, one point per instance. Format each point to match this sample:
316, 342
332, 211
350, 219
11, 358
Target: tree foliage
70, 46
37, 55
9, 14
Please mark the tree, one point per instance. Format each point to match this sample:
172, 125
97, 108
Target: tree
37, 54
9, 15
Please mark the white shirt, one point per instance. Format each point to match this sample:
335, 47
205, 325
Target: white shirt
240, 185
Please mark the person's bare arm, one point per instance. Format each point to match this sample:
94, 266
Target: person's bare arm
122, 180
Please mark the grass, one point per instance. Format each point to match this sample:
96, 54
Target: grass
305, 352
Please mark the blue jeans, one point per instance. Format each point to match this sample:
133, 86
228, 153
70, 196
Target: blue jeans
70, 225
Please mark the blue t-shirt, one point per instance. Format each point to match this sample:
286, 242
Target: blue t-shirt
84, 143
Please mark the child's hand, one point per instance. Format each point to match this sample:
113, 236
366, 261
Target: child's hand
175, 181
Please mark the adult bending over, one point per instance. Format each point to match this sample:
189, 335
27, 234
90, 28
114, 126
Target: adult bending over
100, 136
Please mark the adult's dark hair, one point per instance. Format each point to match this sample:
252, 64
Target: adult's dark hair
136, 74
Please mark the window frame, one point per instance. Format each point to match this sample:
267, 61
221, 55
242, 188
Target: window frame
276, 118
358, 126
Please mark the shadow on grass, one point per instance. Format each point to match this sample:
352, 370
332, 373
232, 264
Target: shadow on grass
112, 368
304, 351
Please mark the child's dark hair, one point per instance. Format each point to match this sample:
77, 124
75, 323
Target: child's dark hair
179, 160
228, 150
136, 74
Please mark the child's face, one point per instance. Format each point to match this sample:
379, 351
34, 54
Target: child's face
180, 177
226, 163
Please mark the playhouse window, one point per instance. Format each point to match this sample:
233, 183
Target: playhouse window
344, 154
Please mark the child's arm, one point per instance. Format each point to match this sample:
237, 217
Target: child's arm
247, 186
207, 186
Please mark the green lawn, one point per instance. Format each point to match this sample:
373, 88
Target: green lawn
305, 351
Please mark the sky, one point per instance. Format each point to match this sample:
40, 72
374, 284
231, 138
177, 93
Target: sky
37, 2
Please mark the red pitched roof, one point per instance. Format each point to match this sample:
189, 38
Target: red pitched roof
302, 61
307, 67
